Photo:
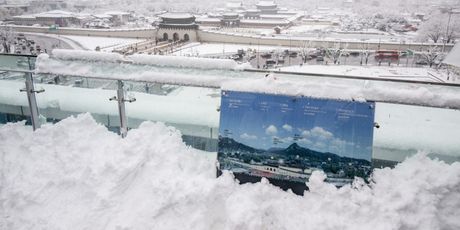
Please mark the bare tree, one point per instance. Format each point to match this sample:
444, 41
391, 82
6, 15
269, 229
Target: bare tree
6, 38
439, 27
432, 29
335, 53
453, 29
305, 49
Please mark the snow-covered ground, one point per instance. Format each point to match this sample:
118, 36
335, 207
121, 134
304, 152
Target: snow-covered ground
105, 43
76, 174
90, 43
306, 28
420, 74
200, 49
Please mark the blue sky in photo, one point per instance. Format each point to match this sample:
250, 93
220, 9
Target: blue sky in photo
266, 121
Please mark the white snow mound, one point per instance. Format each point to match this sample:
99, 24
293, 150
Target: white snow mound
78, 175
143, 59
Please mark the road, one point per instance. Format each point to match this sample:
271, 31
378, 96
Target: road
344, 60
46, 43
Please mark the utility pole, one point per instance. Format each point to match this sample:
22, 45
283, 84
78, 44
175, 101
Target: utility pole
450, 12
289, 53
258, 52
447, 31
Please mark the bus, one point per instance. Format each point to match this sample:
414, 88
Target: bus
387, 54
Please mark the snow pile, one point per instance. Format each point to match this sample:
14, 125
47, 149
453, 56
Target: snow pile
105, 43
126, 71
184, 62
86, 55
144, 59
76, 173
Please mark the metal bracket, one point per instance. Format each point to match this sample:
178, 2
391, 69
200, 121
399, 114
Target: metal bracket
114, 98
32, 91
131, 100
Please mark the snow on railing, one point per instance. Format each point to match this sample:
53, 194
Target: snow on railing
385, 92
144, 59
202, 73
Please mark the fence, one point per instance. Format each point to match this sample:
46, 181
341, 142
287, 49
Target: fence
411, 115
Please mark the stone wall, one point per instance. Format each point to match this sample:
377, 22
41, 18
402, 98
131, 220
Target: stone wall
215, 36
119, 33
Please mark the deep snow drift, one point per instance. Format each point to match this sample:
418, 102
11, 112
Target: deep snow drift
77, 175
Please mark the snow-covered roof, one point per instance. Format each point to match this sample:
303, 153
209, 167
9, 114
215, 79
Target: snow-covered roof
102, 16
27, 16
14, 5
278, 16
205, 19
252, 21
56, 14
230, 14
117, 13
234, 4
176, 15
453, 57
253, 11
266, 3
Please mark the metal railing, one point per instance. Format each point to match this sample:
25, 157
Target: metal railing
121, 84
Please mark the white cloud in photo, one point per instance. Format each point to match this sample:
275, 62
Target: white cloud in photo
287, 127
246, 136
304, 141
322, 140
271, 130
321, 134
287, 140
306, 134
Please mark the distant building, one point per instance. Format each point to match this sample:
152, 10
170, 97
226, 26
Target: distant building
269, 24
55, 17
49, 4
267, 7
230, 20
177, 26
252, 14
15, 9
234, 6
118, 18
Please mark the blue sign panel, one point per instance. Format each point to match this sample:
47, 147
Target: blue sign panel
285, 138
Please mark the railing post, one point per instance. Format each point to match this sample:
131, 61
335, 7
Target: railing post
121, 108
33, 108
34, 115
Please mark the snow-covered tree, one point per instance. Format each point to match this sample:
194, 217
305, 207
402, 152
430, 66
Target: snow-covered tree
335, 53
304, 50
432, 55
436, 28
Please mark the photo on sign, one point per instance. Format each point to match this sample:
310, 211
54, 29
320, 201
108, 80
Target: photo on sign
287, 138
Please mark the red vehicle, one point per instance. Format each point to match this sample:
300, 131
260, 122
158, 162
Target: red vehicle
386, 54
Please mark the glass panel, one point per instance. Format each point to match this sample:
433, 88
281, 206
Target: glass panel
192, 110
14, 62
14, 105
404, 130
65, 96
